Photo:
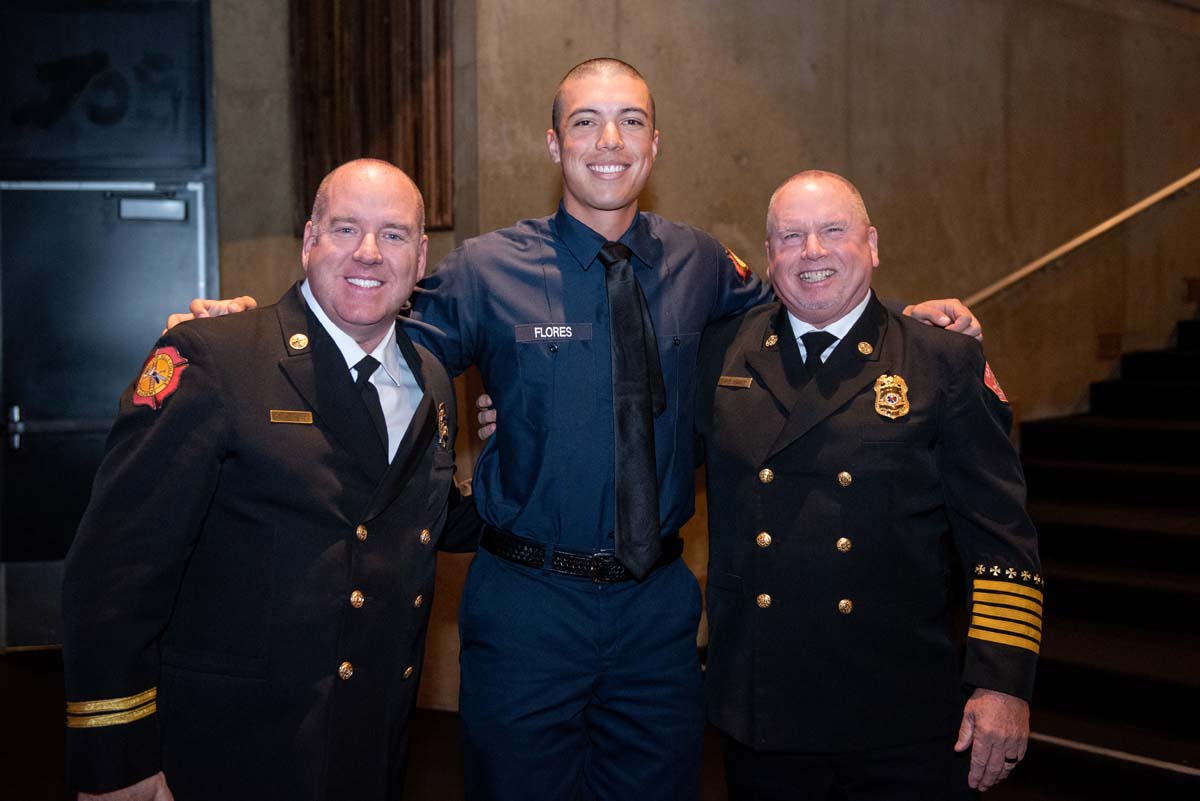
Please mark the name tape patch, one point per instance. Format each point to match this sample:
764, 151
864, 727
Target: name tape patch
553, 332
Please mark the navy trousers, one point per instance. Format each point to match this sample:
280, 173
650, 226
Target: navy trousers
575, 690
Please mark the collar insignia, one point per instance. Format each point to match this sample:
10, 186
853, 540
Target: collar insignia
443, 428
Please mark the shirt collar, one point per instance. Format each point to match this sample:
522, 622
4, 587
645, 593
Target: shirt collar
387, 353
584, 243
839, 327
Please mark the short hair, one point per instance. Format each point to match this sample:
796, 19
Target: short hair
321, 198
596, 66
859, 206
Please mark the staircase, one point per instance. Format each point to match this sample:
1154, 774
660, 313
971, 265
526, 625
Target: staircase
1116, 497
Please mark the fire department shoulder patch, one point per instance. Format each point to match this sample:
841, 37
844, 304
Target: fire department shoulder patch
989, 378
159, 378
743, 270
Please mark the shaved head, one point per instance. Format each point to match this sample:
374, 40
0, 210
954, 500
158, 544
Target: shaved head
860, 208
594, 66
321, 199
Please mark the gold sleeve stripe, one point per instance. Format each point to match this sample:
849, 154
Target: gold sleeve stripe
1007, 600
1005, 625
114, 719
111, 704
1004, 639
1009, 614
1009, 586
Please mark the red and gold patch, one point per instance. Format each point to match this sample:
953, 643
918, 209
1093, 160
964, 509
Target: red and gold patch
989, 378
742, 268
159, 378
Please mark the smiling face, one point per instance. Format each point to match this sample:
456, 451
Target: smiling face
367, 250
821, 248
606, 146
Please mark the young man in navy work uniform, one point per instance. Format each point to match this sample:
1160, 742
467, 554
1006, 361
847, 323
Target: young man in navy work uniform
857, 462
246, 601
580, 675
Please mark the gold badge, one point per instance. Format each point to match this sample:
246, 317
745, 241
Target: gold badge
443, 428
771, 341
298, 341
865, 348
891, 396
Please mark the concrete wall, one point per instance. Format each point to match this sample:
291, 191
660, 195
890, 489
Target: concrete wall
982, 134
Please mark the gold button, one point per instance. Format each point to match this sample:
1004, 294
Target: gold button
408, 671
763, 601
843, 544
357, 599
845, 606
298, 341
845, 478
766, 475
425, 536
420, 599
345, 670
771, 341
361, 533
865, 348
763, 539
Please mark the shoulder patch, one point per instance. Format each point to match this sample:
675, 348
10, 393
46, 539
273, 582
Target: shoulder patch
742, 269
159, 378
989, 379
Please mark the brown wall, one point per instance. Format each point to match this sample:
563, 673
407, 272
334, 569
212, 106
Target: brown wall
982, 134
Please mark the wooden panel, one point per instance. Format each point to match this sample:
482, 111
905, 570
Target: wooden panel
373, 79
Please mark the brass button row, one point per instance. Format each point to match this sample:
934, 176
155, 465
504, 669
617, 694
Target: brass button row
361, 533
767, 475
346, 670
845, 606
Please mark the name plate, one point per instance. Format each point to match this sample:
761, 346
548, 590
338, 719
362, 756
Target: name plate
741, 381
553, 332
285, 416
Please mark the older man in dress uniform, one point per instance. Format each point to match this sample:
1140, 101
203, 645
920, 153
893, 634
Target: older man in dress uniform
859, 470
246, 600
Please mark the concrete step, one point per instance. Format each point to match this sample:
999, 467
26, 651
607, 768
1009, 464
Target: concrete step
1177, 399
1189, 334
1130, 484
1129, 537
1156, 602
1095, 438
1160, 365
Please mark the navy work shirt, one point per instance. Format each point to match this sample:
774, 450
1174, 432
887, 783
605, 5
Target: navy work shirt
528, 305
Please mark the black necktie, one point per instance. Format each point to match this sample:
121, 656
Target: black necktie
638, 396
815, 343
365, 367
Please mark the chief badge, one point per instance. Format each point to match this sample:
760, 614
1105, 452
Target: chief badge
159, 378
443, 428
891, 396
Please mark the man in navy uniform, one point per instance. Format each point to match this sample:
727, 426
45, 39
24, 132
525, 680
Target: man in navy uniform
859, 469
246, 601
578, 623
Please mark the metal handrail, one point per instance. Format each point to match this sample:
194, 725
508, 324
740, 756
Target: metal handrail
1081, 240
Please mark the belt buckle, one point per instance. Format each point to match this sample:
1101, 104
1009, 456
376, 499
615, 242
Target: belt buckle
600, 567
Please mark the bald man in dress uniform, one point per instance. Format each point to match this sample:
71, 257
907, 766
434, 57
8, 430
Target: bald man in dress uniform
246, 600
859, 472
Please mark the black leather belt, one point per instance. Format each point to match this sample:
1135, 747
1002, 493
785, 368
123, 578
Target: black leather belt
601, 567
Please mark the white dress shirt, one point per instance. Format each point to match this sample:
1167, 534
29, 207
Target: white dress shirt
839, 328
399, 392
